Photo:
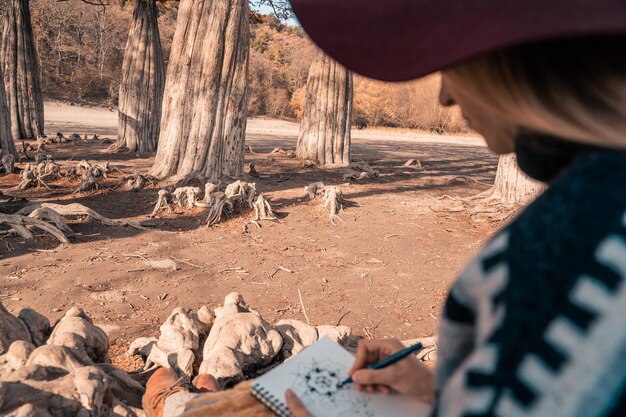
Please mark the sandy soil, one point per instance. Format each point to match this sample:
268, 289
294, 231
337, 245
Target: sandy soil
385, 271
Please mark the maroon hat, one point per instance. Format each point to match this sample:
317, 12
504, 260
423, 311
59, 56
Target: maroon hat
396, 40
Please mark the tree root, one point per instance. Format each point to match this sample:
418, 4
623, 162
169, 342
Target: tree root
413, 163
279, 151
484, 206
136, 181
332, 199
20, 225
76, 209
163, 203
359, 171
240, 194
220, 207
7, 162
185, 197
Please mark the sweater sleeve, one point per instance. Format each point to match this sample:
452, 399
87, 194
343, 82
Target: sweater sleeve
535, 325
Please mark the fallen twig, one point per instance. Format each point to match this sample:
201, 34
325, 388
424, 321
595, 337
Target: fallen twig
306, 316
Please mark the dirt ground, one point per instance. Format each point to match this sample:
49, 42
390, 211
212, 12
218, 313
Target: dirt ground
385, 271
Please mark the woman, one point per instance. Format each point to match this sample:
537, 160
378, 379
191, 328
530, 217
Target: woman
535, 324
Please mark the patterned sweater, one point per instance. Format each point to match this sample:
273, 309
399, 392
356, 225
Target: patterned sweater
536, 325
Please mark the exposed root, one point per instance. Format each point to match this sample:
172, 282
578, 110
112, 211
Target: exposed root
209, 189
88, 182
136, 181
314, 189
76, 209
52, 216
263, 209
90, 174
20, 225
28, 179
359, 171
7, 162
185, 197
163, 203
240, 194
48, 169
413, 163
280, 152
309, 164
24, 152
332, 199
484, 206
252, 170
220, 208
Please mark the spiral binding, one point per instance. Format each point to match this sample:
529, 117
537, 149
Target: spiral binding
273, 403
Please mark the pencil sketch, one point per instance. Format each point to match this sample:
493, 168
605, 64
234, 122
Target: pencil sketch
317, 385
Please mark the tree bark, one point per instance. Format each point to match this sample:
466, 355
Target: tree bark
203, 123
327, 118
512, 186
6, 137
142, 84
22, 77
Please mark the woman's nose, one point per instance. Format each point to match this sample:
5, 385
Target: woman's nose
445, 98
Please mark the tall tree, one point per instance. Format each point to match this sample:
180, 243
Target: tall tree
203, 121
326, 122
6, 137
22, 77
142, 84
512, 186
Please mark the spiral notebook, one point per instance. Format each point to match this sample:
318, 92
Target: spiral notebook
314, 374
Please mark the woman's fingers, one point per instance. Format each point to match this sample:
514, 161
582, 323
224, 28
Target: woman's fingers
371, 351
385, 376
295, 406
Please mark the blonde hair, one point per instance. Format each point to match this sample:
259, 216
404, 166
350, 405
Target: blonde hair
574, 89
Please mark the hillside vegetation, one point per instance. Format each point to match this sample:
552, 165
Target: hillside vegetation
81, 49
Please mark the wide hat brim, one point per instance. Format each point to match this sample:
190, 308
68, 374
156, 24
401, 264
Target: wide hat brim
397, 40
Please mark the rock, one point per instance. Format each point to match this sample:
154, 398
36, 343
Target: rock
240, 341
38, 325
76, 331
112, 296
340, 334
36, 373
181, 330
122, 386
141, 346
296, 336
206, 317
15, 358
61, 357
163, 264
81, 393
11, 329
180, 361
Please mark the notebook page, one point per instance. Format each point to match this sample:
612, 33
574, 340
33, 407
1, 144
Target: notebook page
314, 374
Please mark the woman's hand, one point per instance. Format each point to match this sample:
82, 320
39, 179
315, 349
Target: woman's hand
296, 407
407, 376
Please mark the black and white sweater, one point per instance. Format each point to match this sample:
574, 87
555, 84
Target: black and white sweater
536, 325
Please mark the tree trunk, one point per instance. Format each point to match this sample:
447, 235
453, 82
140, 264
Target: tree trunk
327, 118
143, 80
512, 186
203, 123
6, 137
21, 73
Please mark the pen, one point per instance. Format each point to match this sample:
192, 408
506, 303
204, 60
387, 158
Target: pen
387, 361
